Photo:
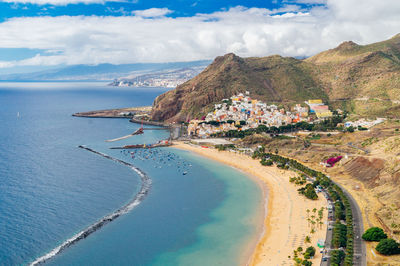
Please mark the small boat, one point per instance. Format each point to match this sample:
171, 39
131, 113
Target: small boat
184, 173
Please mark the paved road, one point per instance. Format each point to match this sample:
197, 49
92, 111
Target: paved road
350, 144
360, 250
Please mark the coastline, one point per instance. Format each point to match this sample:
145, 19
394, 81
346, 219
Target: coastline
285, 209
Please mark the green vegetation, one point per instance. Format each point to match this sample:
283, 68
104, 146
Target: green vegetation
339, 211
374, 234
337, 257
309, 252
266, 162
300, 180
228, 102
313, 136
325, 125
350, 129
388, 246
308, 191
369, 141
339, 239
223, 147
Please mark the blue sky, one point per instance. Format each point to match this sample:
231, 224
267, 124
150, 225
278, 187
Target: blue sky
179, 7
49, 33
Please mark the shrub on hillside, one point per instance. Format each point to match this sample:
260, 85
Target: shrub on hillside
374, 234
388, 246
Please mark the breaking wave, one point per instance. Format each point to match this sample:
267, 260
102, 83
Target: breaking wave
144, 190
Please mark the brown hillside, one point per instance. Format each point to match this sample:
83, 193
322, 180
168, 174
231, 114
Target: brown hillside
263, 77
364, 79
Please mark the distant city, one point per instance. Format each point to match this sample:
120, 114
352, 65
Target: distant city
168, 78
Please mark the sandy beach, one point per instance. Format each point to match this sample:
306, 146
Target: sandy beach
285, 224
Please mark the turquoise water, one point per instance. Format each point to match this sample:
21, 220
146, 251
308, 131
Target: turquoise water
50, 189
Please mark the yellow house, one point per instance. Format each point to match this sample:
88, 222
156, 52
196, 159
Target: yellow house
324, 114
316, 101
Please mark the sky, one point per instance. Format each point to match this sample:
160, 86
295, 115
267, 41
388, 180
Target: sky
35, 34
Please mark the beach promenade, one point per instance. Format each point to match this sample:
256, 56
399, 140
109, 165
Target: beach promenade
286, 224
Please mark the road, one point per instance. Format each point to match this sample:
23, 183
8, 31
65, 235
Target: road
350, 144
360, 250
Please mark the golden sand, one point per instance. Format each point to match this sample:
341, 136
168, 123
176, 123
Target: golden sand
285, 225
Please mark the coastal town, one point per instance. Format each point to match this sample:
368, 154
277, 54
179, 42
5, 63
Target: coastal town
241, 112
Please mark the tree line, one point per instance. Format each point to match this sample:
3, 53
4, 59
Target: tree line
325, 125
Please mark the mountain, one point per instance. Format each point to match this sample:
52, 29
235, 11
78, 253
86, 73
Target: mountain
349, 77
99, 72
364, 79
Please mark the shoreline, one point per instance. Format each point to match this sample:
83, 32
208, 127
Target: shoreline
283, 206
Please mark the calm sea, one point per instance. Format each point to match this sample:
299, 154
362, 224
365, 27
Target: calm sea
50, 189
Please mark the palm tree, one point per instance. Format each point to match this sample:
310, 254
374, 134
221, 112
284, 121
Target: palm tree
308, 212
313, 225
317, 222
307, 239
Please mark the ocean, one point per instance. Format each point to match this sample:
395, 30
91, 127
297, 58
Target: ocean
196, 211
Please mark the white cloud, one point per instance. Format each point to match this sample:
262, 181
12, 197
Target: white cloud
58, 2
289, 31
319, 2
152, 12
